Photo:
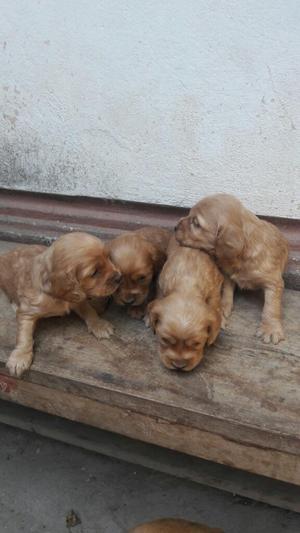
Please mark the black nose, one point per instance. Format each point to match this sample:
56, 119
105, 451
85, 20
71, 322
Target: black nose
116, 277
129, 300
176, 227
178, 364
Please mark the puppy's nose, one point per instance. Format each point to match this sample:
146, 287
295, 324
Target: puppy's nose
178, 364
176, 227
116, 277
129, 300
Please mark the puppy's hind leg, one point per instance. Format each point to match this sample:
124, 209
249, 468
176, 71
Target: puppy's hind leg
227, 300
270, 328
21, 357
102, 329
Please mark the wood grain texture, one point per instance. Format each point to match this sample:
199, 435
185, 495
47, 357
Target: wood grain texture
180, 465
240, 407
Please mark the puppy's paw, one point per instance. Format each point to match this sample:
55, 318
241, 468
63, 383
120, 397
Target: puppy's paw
18, 362
102, 329
137, 312
271, 332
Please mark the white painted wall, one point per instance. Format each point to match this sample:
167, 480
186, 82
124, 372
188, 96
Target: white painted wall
151, 100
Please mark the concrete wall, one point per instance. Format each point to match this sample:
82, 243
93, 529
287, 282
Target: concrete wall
156, 101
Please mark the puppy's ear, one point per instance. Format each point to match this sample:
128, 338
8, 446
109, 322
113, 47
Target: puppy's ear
153, 314
213, 326
61, 284
158, 257
64, 285
230, 240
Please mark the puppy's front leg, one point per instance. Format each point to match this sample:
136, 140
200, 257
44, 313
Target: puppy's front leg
102, 329
271, 328
227, 299
21, 357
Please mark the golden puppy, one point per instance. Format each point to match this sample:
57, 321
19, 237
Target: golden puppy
52, 281
187, 314
172, 525
139, 255
252, 252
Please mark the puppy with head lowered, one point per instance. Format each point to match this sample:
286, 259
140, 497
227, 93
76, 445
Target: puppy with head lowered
252, 252
52, 281
139, 255
187, 314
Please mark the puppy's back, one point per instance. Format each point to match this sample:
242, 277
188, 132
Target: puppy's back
188, 267
16, 267
160, 237
171, 525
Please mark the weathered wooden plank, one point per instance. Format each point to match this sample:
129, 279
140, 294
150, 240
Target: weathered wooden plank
175, 436
240, 407
238, 482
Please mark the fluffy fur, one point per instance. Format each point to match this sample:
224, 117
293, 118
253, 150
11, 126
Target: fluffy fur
172, 525
139, 255
252, 252
187, 314
44, 282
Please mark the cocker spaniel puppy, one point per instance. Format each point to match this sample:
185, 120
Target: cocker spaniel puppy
139, 255
52, 281
173, 525
187, 314
253, 253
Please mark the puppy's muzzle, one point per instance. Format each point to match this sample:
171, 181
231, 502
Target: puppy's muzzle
179, 226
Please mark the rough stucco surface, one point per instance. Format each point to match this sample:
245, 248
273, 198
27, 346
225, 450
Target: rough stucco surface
152, 101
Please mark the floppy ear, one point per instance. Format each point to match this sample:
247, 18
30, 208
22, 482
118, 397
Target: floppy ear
65, 286
230, 240
158, 257
62, 285
153, 314
213, 327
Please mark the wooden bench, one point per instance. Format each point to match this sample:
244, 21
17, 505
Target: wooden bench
240, 407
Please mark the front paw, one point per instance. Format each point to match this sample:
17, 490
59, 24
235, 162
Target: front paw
18, 362
137, 312
271, 332
102, 329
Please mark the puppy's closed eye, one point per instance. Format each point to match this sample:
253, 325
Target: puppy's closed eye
168, 340
141, 279
95, 273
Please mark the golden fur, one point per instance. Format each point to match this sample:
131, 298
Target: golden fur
52, 281
172, 525
252, 252
139, 255
187, 314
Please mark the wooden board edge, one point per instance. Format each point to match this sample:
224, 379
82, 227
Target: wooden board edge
236, 482
232, 430
154, 430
